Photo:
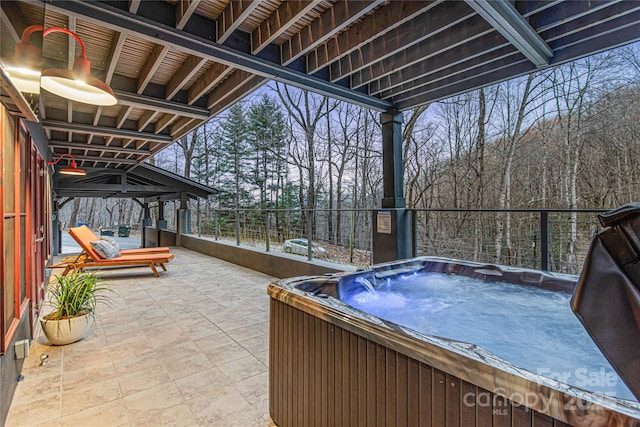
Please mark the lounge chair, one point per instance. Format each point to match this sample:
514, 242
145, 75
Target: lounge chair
89, 258
87, 236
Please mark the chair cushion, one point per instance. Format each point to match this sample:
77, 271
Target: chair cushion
105, 249
112, 241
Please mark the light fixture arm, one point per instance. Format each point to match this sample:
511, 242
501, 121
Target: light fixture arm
26, 36
72, 163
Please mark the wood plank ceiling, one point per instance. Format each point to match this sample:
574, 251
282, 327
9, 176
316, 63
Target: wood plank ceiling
175, 64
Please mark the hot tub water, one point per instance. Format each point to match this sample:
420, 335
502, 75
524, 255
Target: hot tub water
530, 327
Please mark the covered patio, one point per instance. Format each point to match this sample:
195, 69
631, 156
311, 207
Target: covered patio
189, 348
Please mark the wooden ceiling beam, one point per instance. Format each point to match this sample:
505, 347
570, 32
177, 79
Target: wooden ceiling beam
114, 54
392, 15
180, 125
145, 102
151, 65
164, 121
104, 131
331, 22
187, 70
400, 39
184, 10
457, 84
96, 147
146, 118
239, 92
459, 59
210, 79
232, 16
105, 159
285, 16
125, 110
477, 65
454, 37
230, 85
134, 5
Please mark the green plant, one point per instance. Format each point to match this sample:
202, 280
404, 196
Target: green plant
76, 294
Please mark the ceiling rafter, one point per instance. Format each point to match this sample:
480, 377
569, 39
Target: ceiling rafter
151, 66
160, 105
184, 10
336, 20
146, 118
104, 131
164, 121
104, 159
187, 70
228, 21
331, 22
389, 17
232, 16
399, 39
287, 14
433, 69
456, 37
95, 147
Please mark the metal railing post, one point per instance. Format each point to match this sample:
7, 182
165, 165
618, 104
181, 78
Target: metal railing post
267, 229
237, 227
310, 233
544, 240
215, 225
199, 223
414, 233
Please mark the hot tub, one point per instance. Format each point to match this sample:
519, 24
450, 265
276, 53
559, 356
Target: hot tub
333, 364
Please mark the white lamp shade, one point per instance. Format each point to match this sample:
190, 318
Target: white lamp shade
64, 83
24, 79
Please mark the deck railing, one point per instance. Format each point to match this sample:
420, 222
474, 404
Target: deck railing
547, 239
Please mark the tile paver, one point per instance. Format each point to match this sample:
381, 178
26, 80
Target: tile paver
187, 349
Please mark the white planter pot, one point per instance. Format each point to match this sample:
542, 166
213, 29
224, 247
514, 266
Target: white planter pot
67, 331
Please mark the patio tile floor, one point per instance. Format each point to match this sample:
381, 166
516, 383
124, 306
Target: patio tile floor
189, 348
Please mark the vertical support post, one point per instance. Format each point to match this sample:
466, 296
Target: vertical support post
183, 225
146, 222
544, 241
56, 231
392, 238
162, 223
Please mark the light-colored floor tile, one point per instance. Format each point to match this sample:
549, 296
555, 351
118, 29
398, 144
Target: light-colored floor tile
178, 415
212, 383
79, 397
178, 368
134, 382
229, 409
242, 369
111, 414
157, 398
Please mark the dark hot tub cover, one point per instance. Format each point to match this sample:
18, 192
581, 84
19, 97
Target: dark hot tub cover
607, 296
